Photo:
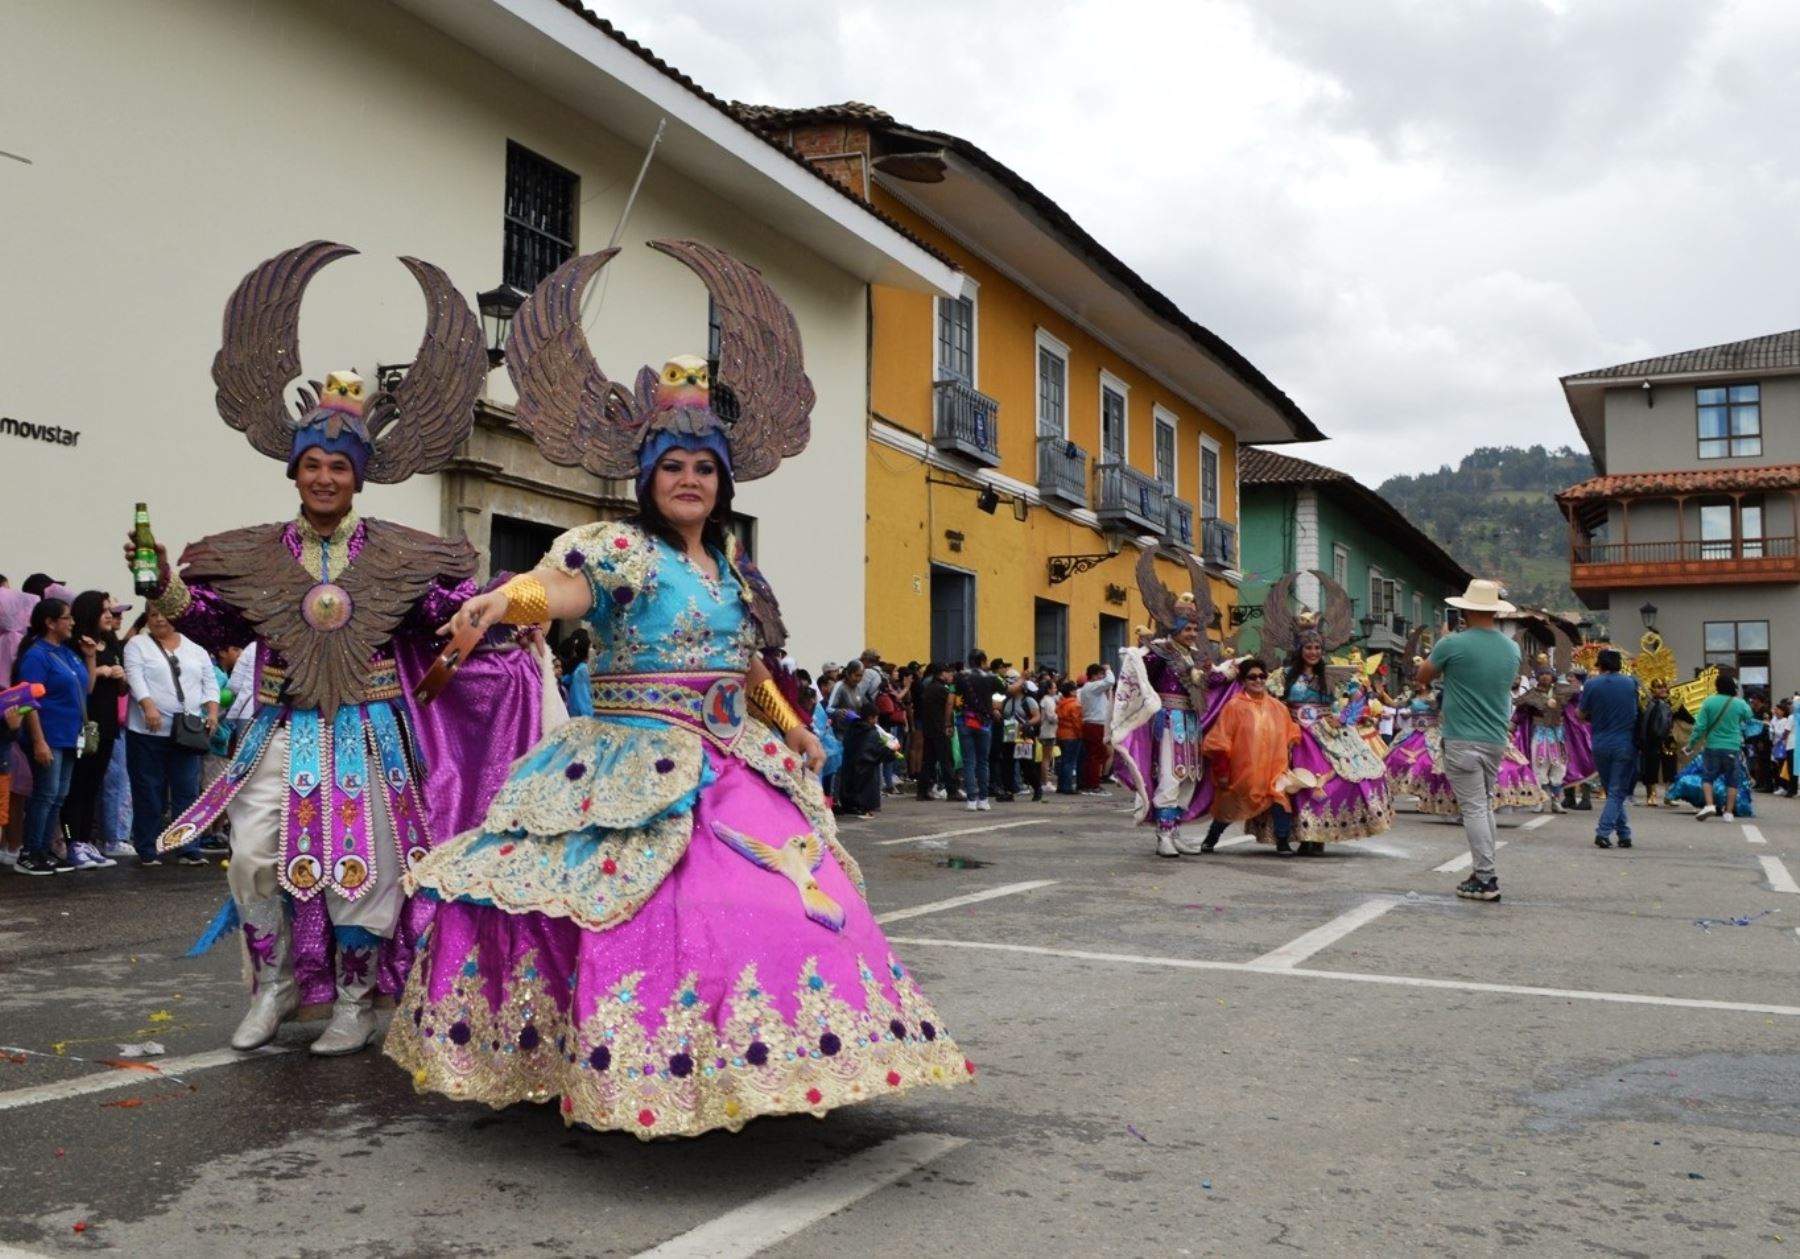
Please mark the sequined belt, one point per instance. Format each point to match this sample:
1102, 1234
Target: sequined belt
1182, 702
1309, 712
382, 683
710, 704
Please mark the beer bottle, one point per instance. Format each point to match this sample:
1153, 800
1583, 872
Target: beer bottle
144, 568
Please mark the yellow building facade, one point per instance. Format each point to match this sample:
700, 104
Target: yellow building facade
1028, 439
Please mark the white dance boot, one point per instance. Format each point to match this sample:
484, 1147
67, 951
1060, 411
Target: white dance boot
275, 997
352, 1024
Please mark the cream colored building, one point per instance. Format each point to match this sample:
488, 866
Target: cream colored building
174, 145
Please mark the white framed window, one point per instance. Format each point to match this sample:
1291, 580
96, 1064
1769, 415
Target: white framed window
1166, 470
1115, 443
1052, 386
1340, 564
1384, 596
1209, 479
956, 347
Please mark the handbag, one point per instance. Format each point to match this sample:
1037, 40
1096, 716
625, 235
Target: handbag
90, 739
189, 730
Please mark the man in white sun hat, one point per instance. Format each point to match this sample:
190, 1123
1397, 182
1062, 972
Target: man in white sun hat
1477, 666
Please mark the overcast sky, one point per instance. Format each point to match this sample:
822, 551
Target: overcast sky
1412, 215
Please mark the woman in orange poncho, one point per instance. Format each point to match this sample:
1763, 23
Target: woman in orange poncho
1248, 747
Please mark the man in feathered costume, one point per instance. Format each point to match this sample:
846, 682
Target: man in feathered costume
328, 794
1167, 697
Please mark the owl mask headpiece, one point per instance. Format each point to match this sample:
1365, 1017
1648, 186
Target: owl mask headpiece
753, 408
1282, 627
1173, 613
389, 435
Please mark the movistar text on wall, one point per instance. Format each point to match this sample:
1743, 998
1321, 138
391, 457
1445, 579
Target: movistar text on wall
55, 434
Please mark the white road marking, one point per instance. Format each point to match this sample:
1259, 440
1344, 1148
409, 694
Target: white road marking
957, 902
1294, 952
1754, 835
15, 1252
125, 1078
1542, 819
967, 830
775, 1217
1401, 981
1457, 865
1778, 876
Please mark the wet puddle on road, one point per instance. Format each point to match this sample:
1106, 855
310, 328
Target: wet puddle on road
944, 860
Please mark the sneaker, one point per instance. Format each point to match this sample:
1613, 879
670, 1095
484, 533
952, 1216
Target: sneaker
937, 793
1474, 889
219, 846
1706, 811
1728, 817
1624, 841
195, 859
60, 863
119, 848
1601, 841
37, 865
984, 804
9, 856
1165, 843
145, 863
87, 857
971, 805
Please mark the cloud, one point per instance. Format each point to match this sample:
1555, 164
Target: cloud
1413, 216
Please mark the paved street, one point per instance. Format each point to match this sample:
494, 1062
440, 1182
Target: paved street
1213, 1056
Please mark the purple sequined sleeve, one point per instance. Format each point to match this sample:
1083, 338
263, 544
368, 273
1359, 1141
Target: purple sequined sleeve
435, 607
212, 622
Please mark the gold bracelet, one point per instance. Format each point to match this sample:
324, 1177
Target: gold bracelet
527, 602
767, 702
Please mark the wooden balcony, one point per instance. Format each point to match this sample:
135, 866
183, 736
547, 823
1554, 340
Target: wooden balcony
1600, 566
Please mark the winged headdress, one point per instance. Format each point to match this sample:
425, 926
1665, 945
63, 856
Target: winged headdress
1172, 612
393, 434
1288, 631
758, 400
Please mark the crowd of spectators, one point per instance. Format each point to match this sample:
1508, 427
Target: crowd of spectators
93, 769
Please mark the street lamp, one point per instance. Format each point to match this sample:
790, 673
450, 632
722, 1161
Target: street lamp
1648, 612
498, 306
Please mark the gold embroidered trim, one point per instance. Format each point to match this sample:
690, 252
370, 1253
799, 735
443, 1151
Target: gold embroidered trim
697, 1072
383, 684
175, 598
315, 547
767, 702
596, 773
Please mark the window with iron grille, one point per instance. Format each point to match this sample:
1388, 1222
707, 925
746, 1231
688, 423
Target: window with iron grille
956, 339
1730, 421
540, 217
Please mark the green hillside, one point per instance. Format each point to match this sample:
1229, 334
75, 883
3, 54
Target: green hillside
1496, 513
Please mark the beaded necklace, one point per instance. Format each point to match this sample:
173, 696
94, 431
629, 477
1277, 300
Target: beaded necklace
315, 548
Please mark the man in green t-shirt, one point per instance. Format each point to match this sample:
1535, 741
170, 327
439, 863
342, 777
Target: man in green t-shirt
1719, 733
1477, 666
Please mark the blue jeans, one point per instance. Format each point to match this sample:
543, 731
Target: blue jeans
1618, 775
977, 746
1068, 764
164, 781
49, 788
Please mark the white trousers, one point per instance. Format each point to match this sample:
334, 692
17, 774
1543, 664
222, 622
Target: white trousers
1171, 792
256, 820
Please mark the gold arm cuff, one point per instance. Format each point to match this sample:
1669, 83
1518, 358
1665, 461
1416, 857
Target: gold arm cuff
527, 602
174, 599
767, 702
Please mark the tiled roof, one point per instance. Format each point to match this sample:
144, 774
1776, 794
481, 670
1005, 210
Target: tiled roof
736, 114
1781, 476
1264, 467
1778, 349
771, 118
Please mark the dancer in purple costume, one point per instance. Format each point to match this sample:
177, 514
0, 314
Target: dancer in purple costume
328, 795
1168, 696
1415, 765
1541, 733
1348, 796
655, 927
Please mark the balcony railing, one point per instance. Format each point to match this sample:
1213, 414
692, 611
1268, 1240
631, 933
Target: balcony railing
1218, 542
1127, 498
968, 422
1178, 525
1062, 471
1599, 565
